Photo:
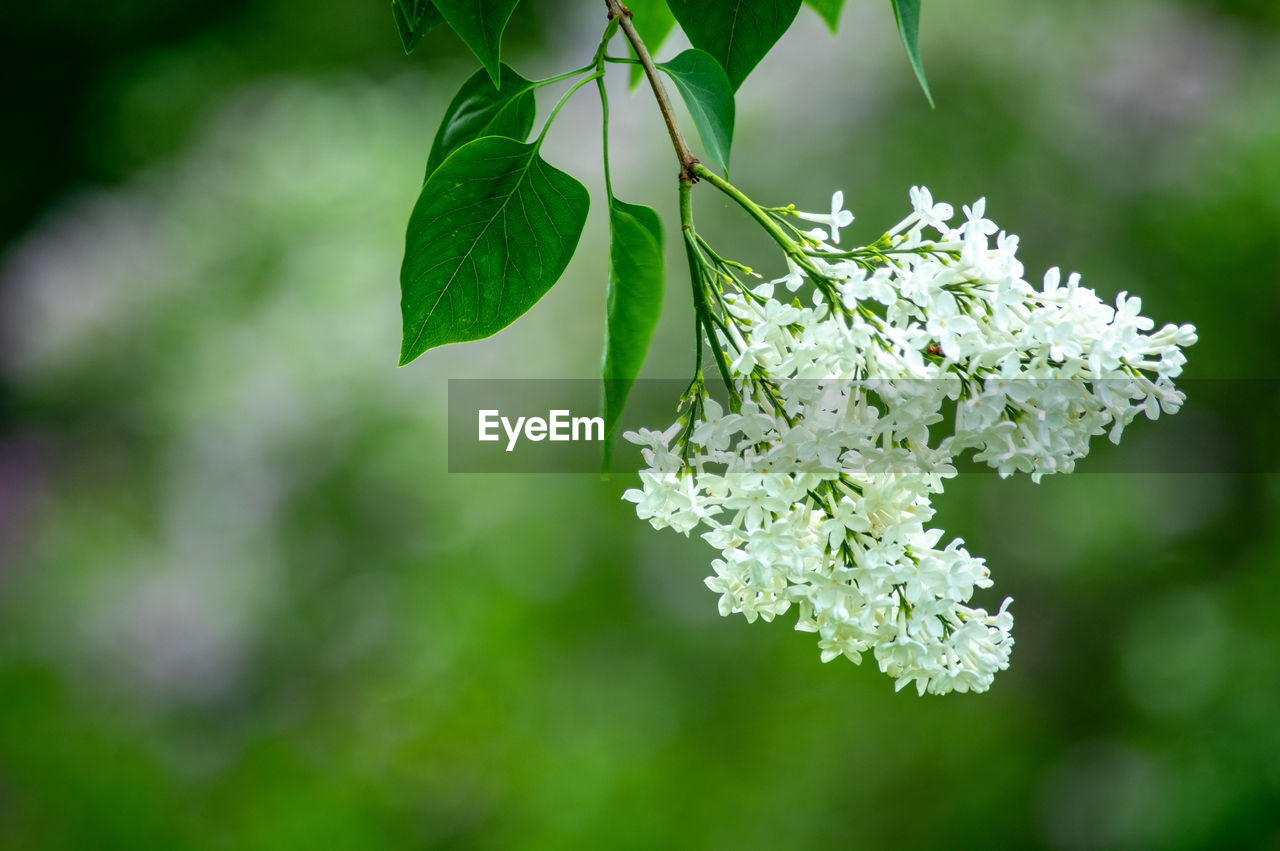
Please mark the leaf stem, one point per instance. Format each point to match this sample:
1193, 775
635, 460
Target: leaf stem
755, 210
622, 14
598, 64
566, 75
564, 98
604, 137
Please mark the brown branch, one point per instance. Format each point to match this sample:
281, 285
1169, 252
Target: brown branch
686, 157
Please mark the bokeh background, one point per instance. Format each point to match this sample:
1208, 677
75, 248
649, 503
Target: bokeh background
242, 604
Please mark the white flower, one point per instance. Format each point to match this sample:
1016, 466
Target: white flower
817, 491
836, 219
927, 213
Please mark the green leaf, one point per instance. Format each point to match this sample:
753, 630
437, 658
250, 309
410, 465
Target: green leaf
706, 92
738, 33
653, 22
414, 19
829, 10
494, 228
634, 304
907, 15
478, 109
479, 23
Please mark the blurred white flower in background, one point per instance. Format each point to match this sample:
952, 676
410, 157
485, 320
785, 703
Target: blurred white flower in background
240, 305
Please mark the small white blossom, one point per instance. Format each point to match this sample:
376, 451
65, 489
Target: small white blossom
836, 219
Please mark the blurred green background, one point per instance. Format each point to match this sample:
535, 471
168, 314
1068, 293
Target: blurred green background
242, 604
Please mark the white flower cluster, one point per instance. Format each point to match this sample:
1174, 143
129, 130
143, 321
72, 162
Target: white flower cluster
815, 486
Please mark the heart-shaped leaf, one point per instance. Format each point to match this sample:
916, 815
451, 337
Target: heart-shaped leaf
478, 109
828, 10
479, 23
738, 33
414, 19
493, 229
706, 92
634, 304
907, 15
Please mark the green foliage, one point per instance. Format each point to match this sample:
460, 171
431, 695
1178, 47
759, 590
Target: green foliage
478, 109
493, 229
907, 15
455, 299
633, 306
709, 96
480, 26
414, 19
828, 10
738, 33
